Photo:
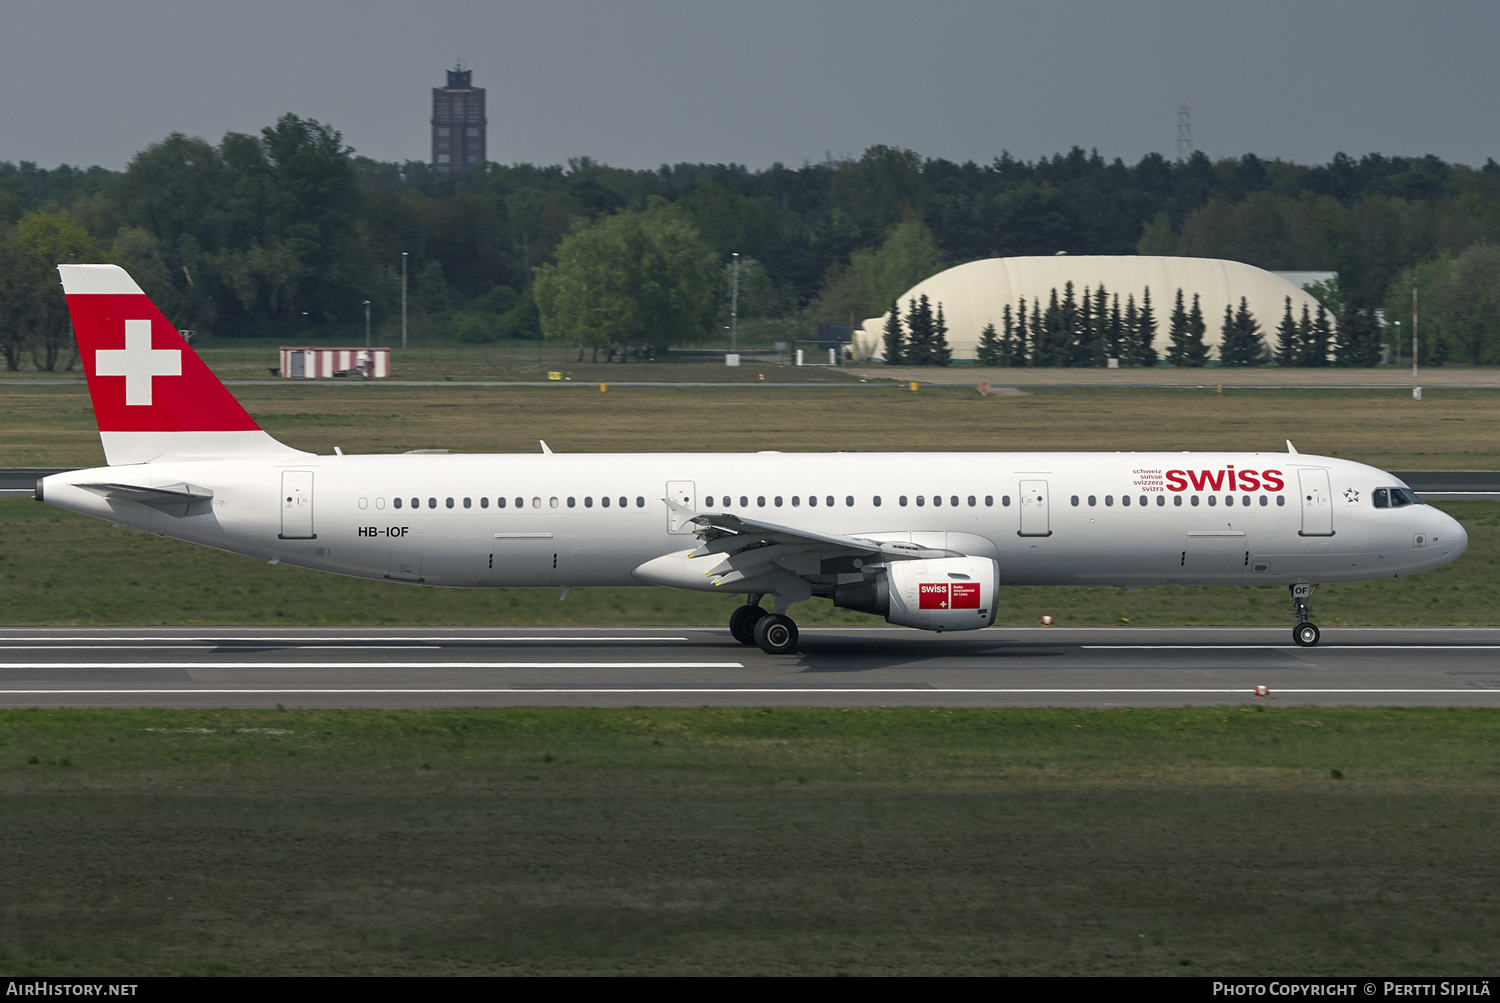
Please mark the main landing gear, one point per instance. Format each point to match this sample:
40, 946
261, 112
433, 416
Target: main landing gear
773, 633
1306, 633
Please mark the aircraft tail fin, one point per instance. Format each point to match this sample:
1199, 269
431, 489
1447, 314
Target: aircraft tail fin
154, 398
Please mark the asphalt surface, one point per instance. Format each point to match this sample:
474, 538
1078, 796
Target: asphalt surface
696, 666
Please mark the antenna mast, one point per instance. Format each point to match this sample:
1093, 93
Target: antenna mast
1184, 134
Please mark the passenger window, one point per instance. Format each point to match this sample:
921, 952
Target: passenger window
778, 501
1195, 500
396, 502
468, 503
536, 503
1245, 500
432, 503
972, 501
760, 501
588, 501
639, 501
796, 500
552, 501
708, 502
604, 501
1125, 500
450, 502
849, 502
1161, 500
937, 501
1280, 500
499, 502
624, 502
484, 502
876, 500
829, 501
1075, 501
901, 501
921, 500
572, 502
1229, 500
1177, 500
1212, 499
1109, 501
521, 502
380, 503
744, 502
1264, 501
953, 500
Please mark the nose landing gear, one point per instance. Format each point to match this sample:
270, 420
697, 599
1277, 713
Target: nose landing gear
1306, 633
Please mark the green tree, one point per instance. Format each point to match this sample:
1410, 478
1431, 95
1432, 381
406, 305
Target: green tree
991, 350
1130, 337
1196, 349
895, 348
1113, 346
634, 278
1240, 343
1177, 334
941, 354
1020, 355
1288, 338
920, 328
34, 311
1145, 332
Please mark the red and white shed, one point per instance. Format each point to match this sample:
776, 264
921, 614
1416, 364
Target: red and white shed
309, 363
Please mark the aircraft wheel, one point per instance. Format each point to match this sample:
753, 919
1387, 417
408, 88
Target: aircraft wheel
742, 623
776, 635
1306, 634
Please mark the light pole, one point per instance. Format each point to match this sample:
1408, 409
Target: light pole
1398, 339
403, 301
367, 323
734, 308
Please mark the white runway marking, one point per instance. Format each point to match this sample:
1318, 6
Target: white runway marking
252, 641
1292, 647
371, 665
843, 691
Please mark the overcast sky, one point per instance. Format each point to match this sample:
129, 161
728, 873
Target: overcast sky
638, 84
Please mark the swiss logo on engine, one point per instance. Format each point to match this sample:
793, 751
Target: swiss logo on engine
958, 595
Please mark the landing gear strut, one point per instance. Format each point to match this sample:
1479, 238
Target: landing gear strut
1306, 633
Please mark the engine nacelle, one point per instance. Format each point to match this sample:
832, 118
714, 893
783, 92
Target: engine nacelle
949, 593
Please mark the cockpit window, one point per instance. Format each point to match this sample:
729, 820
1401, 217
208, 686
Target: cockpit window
1395, 498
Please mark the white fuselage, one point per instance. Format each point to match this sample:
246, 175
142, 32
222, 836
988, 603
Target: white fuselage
1307, 518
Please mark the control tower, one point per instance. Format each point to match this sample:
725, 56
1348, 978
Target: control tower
458, 123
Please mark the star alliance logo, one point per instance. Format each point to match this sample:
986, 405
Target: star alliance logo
1351, 496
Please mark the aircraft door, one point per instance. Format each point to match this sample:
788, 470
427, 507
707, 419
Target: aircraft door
523, 559
297, 505
1033, 504
1216, 557
684, 494
1317, 502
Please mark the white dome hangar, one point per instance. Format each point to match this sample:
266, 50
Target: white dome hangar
976, 293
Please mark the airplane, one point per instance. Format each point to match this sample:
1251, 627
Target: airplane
925, 540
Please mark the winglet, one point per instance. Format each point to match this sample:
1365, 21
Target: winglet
546, 449
1291, 448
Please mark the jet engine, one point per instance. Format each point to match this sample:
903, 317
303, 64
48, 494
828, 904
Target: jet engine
948, 593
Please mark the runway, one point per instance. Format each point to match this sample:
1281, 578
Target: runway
696, 666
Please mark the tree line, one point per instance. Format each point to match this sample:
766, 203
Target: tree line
1091, 329
288, 231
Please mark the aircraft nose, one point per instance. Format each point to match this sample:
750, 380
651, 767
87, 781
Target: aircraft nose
1454, 533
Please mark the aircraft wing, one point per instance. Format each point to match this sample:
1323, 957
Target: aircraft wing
751, 549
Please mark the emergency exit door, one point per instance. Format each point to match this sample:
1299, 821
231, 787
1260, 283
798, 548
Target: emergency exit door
682, 493
297, 505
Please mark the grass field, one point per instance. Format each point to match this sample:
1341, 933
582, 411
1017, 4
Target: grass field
1451, 429
56, 567
644, 841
